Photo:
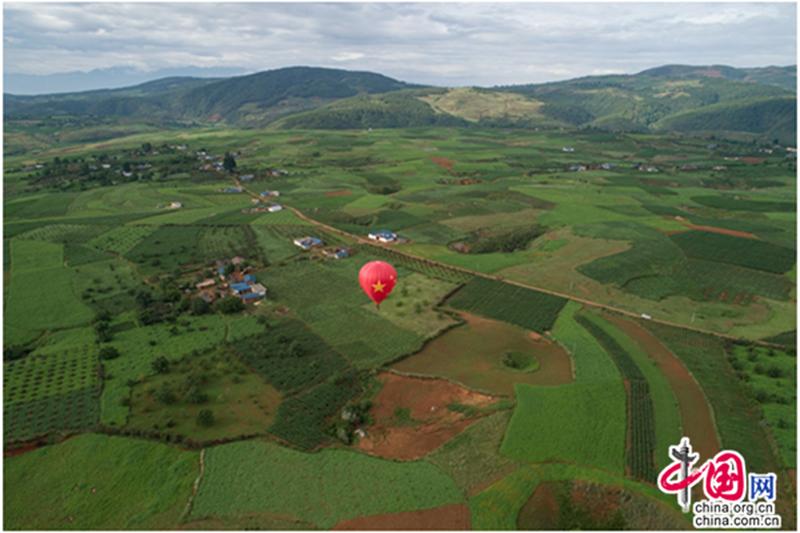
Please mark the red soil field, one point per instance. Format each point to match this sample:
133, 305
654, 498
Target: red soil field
793, 478
696, 419
338, 193
448, 518
754, 160
725, 231
431, 424
471, 355
441, 161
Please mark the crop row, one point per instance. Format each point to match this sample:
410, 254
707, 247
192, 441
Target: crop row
34, 378
750, 253
120, 239
65, 233
623, 359
524, 307
428, 268
290, 357
299, 418
641, 421
78, 409
641, 431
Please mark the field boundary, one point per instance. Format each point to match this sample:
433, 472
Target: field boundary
194, 489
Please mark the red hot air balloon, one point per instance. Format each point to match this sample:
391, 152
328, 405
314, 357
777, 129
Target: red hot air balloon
377, 279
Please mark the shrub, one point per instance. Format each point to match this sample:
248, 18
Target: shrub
164, 394
108, 352
160, 365
230, 305
205, 418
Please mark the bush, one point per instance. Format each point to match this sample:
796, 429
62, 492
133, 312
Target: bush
108, 352
164, 394
230, 305
195, 395
160, 365
199, 306
205, 418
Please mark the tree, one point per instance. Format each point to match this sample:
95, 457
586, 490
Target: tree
229, 163
230, 305
205, 418
126, 166
228, 270
164, 394
160, 365
195, 395
146, 147
199, 306
108, 352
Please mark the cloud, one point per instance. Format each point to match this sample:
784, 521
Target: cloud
470, 43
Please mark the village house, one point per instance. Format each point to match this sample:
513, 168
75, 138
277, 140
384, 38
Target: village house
383, 236
205, 284
307, 243
273, 208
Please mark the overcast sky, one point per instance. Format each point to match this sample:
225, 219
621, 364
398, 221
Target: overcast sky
444, 44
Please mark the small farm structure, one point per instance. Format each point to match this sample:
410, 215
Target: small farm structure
383, 236
273, 208
247, 177
339, 252
205, 284
269, 194
248, 291
175, 205
308, 243
568, 149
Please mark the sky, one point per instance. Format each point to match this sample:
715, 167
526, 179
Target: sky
444, 44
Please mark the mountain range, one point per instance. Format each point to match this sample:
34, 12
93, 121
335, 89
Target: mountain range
695, 100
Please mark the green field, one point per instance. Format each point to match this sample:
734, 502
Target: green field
592, 363
321, 488
580, 422
40, 295
98, 482
502, 301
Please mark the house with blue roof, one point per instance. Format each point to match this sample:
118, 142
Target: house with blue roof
307, 243
248, 278
383, 236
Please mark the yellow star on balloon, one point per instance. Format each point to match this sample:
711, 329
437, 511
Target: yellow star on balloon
378, 287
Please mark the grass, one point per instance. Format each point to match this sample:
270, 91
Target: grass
750, 253
771, 378
98, 482
580, 422
321, 488
472, 458
274, 247
240, 400
591, 361
40, 295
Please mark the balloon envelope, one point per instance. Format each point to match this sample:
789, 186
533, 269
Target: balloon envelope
377, 279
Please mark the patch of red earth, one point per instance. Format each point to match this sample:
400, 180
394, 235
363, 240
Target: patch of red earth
540, 512
754, 160
432, 424
696, 419
601, 502
793, 478
214, 117
442, 162
712, 73
552, 237
338, 193
665, 232
29, 447
584, 289
448, 518
721, 230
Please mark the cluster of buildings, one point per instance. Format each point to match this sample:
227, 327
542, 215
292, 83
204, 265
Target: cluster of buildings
271, 208
604, 166
243, 284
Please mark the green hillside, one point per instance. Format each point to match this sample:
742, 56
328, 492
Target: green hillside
774, 117
785, 77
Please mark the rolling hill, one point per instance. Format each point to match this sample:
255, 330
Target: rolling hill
715, 100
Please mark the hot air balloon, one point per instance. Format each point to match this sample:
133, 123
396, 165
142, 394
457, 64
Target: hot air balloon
377, 279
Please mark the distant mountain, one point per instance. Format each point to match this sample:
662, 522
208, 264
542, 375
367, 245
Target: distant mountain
108, 78
644, 102
674, 98
247, 101
785, 77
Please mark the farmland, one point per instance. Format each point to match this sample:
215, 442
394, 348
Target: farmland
497, 367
